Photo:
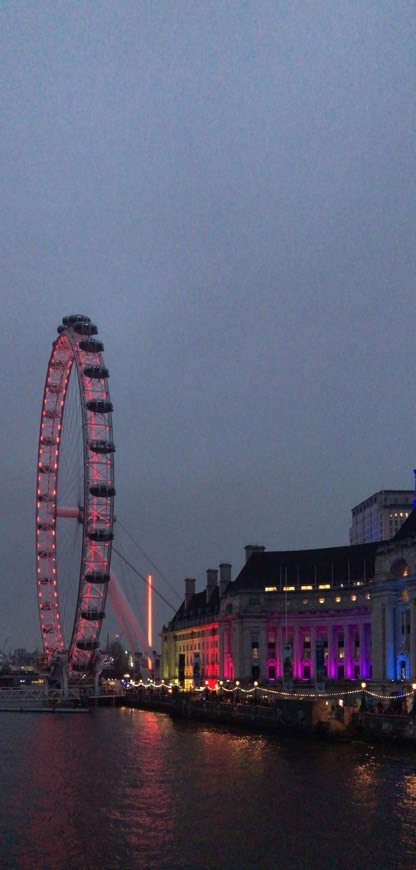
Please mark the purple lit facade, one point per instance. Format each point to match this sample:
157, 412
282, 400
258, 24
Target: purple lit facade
303, 616
253, 643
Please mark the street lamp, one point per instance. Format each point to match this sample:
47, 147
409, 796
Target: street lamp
255, 687
413, 710
363, 686
237, 683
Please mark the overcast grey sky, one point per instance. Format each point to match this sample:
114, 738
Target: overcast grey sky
228, 190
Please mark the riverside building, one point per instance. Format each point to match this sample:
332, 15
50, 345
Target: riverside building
380, 516
301, 617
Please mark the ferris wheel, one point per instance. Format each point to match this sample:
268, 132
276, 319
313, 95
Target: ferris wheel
75, 496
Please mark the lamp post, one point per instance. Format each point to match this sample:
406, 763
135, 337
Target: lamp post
363, 687
413, 710
221, 685
255, 692
237, 683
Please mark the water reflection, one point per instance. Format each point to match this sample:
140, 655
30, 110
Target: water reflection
140, 815
131, 789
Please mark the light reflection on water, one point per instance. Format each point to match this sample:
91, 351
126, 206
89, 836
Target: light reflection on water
132, 789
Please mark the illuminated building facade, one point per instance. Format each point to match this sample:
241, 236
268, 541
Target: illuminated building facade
340, 613
190, 651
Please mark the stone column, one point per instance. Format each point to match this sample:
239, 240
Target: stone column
245, 672
363, 651
237, 642
279, 651
296, 655
262, 632
390, 652
413, 639
347, 651
331, 656
313, 651
220, 651
377, 637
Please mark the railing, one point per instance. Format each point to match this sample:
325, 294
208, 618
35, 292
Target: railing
399, 725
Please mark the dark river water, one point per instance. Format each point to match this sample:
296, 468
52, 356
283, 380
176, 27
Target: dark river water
132, 789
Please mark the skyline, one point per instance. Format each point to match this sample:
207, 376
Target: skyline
228, 192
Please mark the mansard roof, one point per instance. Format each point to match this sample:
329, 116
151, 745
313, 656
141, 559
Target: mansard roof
333, 565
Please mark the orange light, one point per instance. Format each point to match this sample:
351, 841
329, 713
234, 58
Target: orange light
149, 617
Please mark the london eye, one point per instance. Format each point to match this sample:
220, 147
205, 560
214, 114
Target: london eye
75, 497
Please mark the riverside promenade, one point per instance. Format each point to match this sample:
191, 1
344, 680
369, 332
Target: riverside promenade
283, 714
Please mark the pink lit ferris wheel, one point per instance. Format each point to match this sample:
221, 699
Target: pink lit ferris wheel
75, 496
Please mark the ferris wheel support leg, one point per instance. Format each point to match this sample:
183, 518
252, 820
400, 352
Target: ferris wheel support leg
65, 681
98, 667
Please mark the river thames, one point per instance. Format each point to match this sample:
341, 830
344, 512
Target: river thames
120, 788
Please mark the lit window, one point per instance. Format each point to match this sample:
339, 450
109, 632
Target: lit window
306, 588
338, 599
270, 588
288, 588
353, 597
324, 586
368, 596
321, 600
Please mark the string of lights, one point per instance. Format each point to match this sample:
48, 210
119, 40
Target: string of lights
220, 688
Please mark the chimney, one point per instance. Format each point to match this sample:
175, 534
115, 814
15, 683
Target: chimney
189, 590
212, 581
225, 577
253, 548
